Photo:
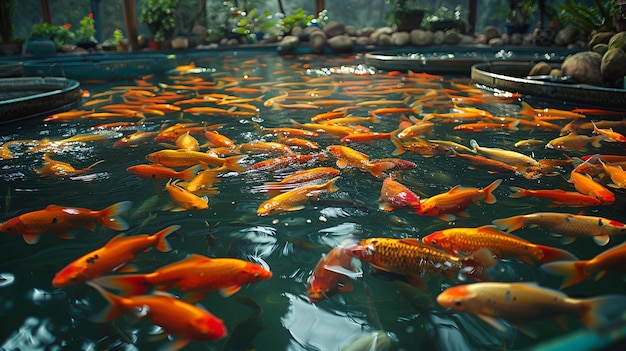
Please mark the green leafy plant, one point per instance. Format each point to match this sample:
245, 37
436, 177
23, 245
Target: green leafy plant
453, 18
86, 31
160, 16
60, 35
397, 10
114, 41
301, 19
250, 23
519, 11
588, 19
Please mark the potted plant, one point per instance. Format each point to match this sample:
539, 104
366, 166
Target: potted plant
446, 18
45, 39
8, 44
160, 16
85, 35
518, 14
115, 43
405, 14
253, 25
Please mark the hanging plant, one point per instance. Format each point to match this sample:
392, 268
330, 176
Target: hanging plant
160, 16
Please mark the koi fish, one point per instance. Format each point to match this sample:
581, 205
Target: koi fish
613, 259
617, 175
584, 184
294, 199
467, 240
265, 147
521, 303
114, 255
419, 146
196, 276
67, 116
484, 126
482, 162
59, 220
569, 225
456, 200
135, 139
557, 197
394, 195
184, 199
609, 134
186, 158
296, 160
183, 321
332, 274
217, 139
574, 142
53, 168
414, 259
510, 157
204, 180
347, 156
299, 178
157, 171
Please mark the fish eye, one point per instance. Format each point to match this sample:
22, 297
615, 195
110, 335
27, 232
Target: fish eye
434, 242
257, 275
458, 303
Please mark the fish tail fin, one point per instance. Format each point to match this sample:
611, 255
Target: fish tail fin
474, 145
573, 271
232, 163
551, 254
518, 192
527, 110
110, 216
190, 172
602, 309
113, 309
489, 197
513, 125
331, 187
398, 144
595, 142
509, 224
162, 244
126, 284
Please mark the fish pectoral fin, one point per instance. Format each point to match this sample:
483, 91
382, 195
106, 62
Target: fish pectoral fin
345, 287
194, 296
417, 281
178, 209
126, 268
601, 240
447, 217
65, 236
463, 214
342, 163
31, 238
228, 291
565, 240
494, 322
294, 208
385, 207
344, 271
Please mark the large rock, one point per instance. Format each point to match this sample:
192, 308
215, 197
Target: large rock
491, 32
334, 28
400, 38
439, 37
380, 31
566, 36
618, 41
318, 41
420, 37
600, 38
451, 37
288, 44
539, 69
340, 43
583, 67
613, 65
366, 32
600, 48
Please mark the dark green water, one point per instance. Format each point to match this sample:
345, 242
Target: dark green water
36, 316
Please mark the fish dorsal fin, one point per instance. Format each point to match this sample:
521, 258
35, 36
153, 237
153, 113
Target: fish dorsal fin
492, 229
54, 207
411, 241
455, 188
119, 237
197, 259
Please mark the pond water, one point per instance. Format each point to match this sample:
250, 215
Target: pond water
38, 316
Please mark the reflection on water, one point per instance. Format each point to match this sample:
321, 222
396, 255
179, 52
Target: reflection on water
37, 316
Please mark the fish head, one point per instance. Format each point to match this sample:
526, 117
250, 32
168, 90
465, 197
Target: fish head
605, 197
427, 209
252, 273
269, 207
439, 239
12, 226
69, 275
153, 157
207, 327
363, 250
458, 298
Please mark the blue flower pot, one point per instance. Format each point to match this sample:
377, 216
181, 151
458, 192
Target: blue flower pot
41, 47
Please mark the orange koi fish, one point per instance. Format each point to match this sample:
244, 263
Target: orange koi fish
327, 116
419, 146
456, 200
53, 168
183, 321
135, 139
510, 157
611, 260
350, 120
115, 254
570, 226
270, 147
584, 184
484, 126
617, 175
417, 128
204, 180
300, 178
575, 142
196, 276
186, 158
294, 200
280, 162
557, 197
284, 131
609, 134
521, 303
398, 163
186, 142
464, 241
184, 199
349, 157
66, 116
335, 130
548, 113
394, 195
158, 171
218, 140
365, 137
395, 110
196, 111
298, 142
59, 220
332, 274
482, 162
413, 258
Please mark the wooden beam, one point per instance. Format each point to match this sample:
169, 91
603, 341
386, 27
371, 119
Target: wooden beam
130, 21
45, 11
472, 16
319, 6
